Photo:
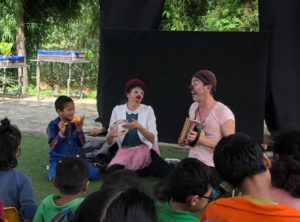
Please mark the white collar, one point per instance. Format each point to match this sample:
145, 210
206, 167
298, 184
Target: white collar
134, 111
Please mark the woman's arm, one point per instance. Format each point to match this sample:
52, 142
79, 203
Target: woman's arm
148, 131
227, 128
110, 138
136, 125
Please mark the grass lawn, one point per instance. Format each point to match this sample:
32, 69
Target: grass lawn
34, 158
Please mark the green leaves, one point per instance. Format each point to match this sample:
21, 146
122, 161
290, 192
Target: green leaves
210, 15
5, 48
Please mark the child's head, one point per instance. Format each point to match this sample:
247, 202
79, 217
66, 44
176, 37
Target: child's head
114, 204
10, 139
285, 170
64, 107
238, 157
123, 178
191, 183
71, 175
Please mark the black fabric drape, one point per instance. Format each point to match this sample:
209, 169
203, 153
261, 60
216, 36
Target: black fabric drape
131, 14
282, 20
165, 61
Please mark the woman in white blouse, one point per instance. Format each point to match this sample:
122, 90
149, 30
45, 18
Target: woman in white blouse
138, 149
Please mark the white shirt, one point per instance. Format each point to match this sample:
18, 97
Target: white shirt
146, 118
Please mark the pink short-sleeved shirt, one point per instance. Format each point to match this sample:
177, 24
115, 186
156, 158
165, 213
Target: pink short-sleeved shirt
219, 114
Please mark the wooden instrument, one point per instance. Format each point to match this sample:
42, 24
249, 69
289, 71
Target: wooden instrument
190, 124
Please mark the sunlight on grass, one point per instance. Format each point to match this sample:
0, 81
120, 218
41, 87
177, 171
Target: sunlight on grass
34, 158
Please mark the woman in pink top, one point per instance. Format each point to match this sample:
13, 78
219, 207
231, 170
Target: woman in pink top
286, 169
217, 118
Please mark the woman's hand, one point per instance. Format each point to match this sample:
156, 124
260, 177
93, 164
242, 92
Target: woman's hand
191, 136
136, 125
203, 140
132, 125
111, 132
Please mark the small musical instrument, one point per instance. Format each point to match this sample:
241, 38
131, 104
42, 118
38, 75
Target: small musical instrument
115, 127
190, 124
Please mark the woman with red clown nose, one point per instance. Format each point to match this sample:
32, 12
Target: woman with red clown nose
138, 149
218, 120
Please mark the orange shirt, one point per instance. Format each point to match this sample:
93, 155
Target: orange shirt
240, 209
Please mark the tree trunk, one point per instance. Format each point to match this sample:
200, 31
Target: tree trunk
20, 42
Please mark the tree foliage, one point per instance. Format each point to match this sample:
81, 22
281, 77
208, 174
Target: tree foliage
79, 33
38, 15
211, 15
74, 24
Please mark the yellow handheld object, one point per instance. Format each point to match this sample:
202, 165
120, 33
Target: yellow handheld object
11, 214
75, 120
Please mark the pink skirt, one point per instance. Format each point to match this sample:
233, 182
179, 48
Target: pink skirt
133, 158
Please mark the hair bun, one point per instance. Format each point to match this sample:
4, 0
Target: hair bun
5, 122
5, 125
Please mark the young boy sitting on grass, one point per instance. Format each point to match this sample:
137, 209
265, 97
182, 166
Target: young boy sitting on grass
71, 180
66, 137
190, 190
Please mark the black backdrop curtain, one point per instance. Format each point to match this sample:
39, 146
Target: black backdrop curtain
282, 20
126, 14
131, 14
165, 61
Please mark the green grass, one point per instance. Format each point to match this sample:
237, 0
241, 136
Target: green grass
34, 158
31, 90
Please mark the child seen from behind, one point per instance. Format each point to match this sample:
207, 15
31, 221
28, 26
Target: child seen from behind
190, 188
15, 187
71, 180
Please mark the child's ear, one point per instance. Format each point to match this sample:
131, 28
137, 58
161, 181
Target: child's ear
267, 161
59, 112
18, 151
209, 87
192, 200
54, 182
85, 186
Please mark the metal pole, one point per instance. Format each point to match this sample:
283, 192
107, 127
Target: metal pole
38, 79
21, 83
81, 84
4, 85
69, 79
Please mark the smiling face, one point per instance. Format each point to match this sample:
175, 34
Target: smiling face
198, 89
135, 95
68, 112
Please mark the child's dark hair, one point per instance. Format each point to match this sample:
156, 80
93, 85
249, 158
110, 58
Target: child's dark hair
123, 178
61, 102
71, 175
190, 177
10, 139
114, 204
237, 157
286, 170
